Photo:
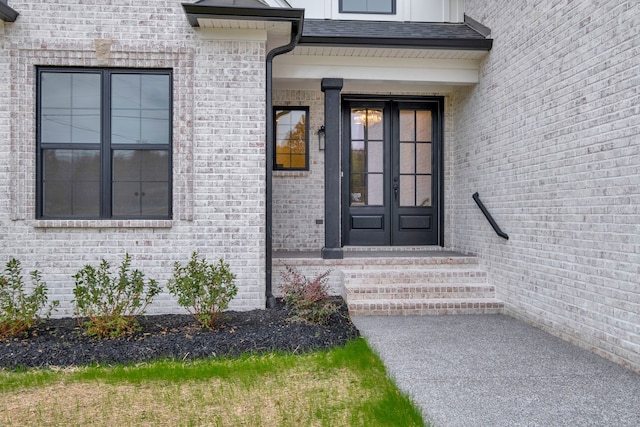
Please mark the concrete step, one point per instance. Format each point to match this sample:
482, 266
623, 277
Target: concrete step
424, 307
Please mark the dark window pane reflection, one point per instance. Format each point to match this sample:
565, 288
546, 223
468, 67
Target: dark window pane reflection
126, 199
140, 182
70, 108
71, 182
140, 109
154, 198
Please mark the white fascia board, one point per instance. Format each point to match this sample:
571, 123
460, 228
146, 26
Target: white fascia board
232, 34
433, 71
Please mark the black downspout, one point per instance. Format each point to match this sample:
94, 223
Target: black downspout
296, 34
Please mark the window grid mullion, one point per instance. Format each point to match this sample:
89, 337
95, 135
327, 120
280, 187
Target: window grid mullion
106, 152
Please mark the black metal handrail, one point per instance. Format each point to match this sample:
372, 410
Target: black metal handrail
487, 215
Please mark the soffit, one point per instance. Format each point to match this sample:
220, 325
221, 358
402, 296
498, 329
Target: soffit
239, 14
276, 28
382, 52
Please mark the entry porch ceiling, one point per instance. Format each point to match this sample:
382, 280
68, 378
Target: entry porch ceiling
397, 69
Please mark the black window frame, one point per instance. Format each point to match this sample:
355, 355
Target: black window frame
393, 9
105, 147
276, 166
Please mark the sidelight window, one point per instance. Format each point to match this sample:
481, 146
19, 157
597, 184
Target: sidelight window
292, 138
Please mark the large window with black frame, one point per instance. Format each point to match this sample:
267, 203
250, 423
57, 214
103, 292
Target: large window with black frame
104, 139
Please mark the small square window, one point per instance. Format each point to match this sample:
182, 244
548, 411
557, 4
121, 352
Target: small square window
291, 145
368, 6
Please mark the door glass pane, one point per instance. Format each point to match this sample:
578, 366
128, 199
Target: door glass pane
357, 157
367, 157
70, 108
423, 190
423, 158
358, 122
357, 190
375, 125
375, 156
140, 106
423, 126
407, 157
407, 125
407, 190
375, 190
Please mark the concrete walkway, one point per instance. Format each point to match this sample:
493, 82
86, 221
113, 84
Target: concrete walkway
493, 370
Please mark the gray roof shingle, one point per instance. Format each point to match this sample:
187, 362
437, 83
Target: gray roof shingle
435, 35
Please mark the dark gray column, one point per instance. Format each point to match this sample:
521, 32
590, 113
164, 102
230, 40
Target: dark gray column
332, 226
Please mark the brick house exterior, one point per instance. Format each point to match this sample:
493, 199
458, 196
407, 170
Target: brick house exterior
537, 111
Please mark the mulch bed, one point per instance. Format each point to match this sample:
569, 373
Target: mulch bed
62, 343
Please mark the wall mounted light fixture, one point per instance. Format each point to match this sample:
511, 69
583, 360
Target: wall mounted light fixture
321, 138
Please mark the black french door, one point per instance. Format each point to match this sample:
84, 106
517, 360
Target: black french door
391, 172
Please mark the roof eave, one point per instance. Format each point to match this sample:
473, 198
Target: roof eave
195, 12
425, 43
7, 14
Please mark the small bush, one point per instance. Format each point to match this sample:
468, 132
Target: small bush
111, 304
309, 299
19, 311
204, 289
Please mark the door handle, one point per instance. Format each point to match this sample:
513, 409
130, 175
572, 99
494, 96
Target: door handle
395, 188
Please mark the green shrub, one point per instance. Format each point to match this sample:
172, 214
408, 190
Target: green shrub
309, 299
204, 289
111, 304
19, 311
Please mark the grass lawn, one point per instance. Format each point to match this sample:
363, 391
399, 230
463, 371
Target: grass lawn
345, 386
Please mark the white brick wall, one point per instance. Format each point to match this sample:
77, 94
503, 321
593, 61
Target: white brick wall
549, 138
298, 196
218, 152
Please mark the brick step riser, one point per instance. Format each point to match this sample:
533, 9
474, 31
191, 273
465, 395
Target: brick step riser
374, 308
377, 263
418, 294
426, 280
